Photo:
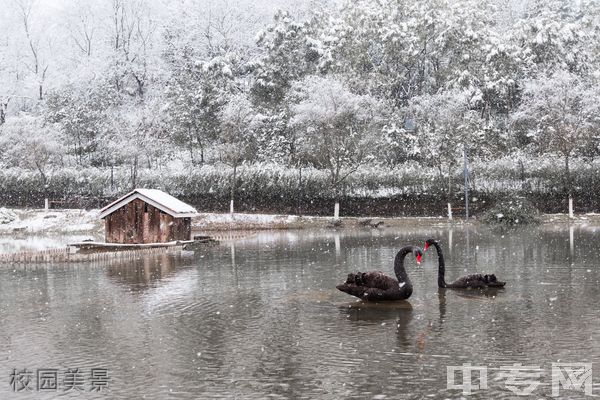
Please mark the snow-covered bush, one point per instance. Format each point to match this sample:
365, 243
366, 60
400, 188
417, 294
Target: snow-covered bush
7, 216
517, 211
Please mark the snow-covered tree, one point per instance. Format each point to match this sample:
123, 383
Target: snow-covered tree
445, 125
338, 126
101, 67
237, 139
83, 115
31, 144
196, 94
560, 115
289, 53
555, 36
38, 43
133, 137
132, 36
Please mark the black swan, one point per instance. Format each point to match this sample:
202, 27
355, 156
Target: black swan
376, 286
475, 281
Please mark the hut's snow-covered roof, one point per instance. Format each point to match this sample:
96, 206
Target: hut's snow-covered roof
157, 198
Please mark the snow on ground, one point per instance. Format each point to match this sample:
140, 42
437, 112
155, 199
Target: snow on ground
16, 222
40, 241
246, 218
239, 221
213, 221
28, 221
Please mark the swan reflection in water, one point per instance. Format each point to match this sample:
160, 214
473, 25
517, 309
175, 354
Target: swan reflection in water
398, 313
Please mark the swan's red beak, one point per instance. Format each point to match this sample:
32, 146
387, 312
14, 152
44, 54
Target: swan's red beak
418, 257
426, 246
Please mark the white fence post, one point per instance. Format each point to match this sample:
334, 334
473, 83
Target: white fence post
570, 207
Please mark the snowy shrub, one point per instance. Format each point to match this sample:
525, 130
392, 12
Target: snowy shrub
7, 216
279, 187
517, 211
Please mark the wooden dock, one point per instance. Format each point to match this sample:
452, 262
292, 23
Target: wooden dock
97, 247
91, 251
229, 235
70, 255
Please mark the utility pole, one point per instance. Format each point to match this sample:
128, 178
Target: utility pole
466, 176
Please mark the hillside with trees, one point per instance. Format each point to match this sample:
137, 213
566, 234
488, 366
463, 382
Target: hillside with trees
291, 106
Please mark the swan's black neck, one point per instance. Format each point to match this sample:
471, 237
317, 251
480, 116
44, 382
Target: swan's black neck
441, 265
399, 269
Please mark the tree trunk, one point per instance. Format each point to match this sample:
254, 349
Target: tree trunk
42, 174
299, 211
134, 168
201, 146
191, 149
3, 110
522, 171
449, 193
567, 177
568, 185
232, 193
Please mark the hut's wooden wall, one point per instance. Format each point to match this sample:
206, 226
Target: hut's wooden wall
139, 222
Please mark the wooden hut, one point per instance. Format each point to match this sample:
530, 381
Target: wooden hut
147, 216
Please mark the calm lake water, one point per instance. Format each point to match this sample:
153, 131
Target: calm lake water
261, 317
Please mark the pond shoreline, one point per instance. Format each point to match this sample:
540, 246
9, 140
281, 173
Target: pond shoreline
23, 222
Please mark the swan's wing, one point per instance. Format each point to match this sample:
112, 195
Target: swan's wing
492, 281
353, 290
478, 281
473, 281
367, 285
378, 280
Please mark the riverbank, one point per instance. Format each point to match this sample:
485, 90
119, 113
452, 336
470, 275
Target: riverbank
62, 221
71, 221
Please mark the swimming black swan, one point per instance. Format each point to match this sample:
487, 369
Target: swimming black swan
475, 281
376, 286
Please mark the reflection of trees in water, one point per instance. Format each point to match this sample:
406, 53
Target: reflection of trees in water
525, 246
327, 239
279, 350
272, 320
73, 319
272, 339
230, 327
